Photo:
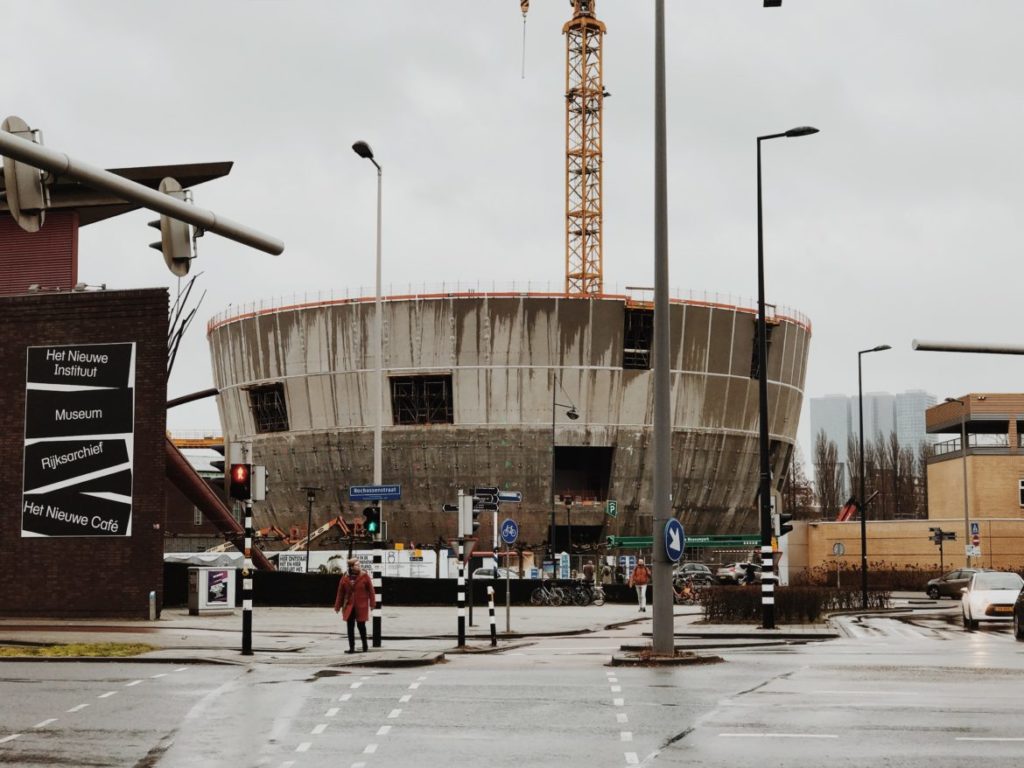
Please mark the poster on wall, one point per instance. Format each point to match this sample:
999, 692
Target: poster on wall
79, 440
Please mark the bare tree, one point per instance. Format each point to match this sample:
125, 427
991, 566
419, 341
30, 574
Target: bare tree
924, 452
828, 472
796, 489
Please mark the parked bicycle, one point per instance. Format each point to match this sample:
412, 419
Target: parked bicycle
546, 594
585, 594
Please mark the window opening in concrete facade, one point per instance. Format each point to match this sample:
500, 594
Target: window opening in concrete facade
638, 333
269, 411
422, 399
582, 471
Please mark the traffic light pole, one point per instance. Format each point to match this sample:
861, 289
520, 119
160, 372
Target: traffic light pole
378, 590
247, 583
461, 597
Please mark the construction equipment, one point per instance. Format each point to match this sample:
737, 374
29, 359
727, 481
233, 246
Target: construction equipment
338, 522
584, 109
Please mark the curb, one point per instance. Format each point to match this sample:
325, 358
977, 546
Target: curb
686, 658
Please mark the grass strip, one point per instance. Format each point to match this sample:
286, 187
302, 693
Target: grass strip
78, 649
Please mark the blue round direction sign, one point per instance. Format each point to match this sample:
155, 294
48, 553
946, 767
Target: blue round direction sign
509, 531
675, 540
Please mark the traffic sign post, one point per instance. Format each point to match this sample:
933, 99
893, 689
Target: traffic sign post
509, 534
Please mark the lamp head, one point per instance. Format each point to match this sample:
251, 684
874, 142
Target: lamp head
803, 130
572, 413
881, 348
362, 149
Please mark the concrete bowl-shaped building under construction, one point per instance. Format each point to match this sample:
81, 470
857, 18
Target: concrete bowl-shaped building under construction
470, 386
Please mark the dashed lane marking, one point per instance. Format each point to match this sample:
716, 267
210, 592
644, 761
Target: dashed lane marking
413, 686
383, 730
331, 712
989, 738
345, 697
356, 685
619, 702
622, 717
625, 736
45, 722
318, 729
780, 735
133, 682
78, 708
616, 689
304, 746
159, 675
12, 737
107, 695
181, 669
405, 699
370, 749
394, 713
631, 758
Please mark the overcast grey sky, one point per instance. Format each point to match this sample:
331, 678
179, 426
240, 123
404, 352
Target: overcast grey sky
899, 220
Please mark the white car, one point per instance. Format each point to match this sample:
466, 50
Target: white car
989, 596
488, 573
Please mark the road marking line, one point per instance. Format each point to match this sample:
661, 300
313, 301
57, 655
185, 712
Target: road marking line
162, 674
619, 702
133, 682
107, 695
12, 737
370, 749
622, 717
45, 723
613, 679
616, 689
383, 730
331, 712
345, 697
304, 746
421, 678
287, 764
626, 736
394, 713
631, 758
365, 677
78, 708
355, 685
413, 686
318, 729
181, 669
358, 765
405, 699
780, 735
989, 738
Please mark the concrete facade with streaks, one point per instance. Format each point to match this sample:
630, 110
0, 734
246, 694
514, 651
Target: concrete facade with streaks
503, 353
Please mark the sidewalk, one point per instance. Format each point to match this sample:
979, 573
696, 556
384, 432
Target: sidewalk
411, 634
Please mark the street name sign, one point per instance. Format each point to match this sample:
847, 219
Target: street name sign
374, 492
516, 497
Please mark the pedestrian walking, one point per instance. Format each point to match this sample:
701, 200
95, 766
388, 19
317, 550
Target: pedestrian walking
606, 574
355, 596
639, 579
588, 572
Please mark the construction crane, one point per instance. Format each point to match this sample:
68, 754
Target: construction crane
584, 110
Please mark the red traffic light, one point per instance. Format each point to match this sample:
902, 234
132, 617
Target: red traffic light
241, 482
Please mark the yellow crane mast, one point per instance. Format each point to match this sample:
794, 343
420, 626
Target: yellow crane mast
584, 109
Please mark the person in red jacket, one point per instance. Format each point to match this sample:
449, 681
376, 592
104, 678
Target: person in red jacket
355, 596
641, 576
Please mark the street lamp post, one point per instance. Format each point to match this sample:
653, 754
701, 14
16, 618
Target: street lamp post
963, 454
764, 485
362, 149
862, 506
310, 498
572, 414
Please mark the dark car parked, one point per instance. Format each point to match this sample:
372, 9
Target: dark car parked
950, 584
1018, 617
695, 572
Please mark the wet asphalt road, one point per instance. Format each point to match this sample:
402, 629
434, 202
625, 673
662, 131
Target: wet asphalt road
924, 693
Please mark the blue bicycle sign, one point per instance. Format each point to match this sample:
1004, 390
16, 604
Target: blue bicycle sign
509, 531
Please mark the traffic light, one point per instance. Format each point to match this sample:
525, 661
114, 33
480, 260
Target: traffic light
175, 238
473, 523
781, 523
371, 521
241, 482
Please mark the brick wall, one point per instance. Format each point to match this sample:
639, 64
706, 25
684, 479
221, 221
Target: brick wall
992, 486
76, 576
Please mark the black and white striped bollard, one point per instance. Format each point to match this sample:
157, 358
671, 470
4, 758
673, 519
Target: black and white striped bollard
461, 597
768, 584
490, 612
378, 589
